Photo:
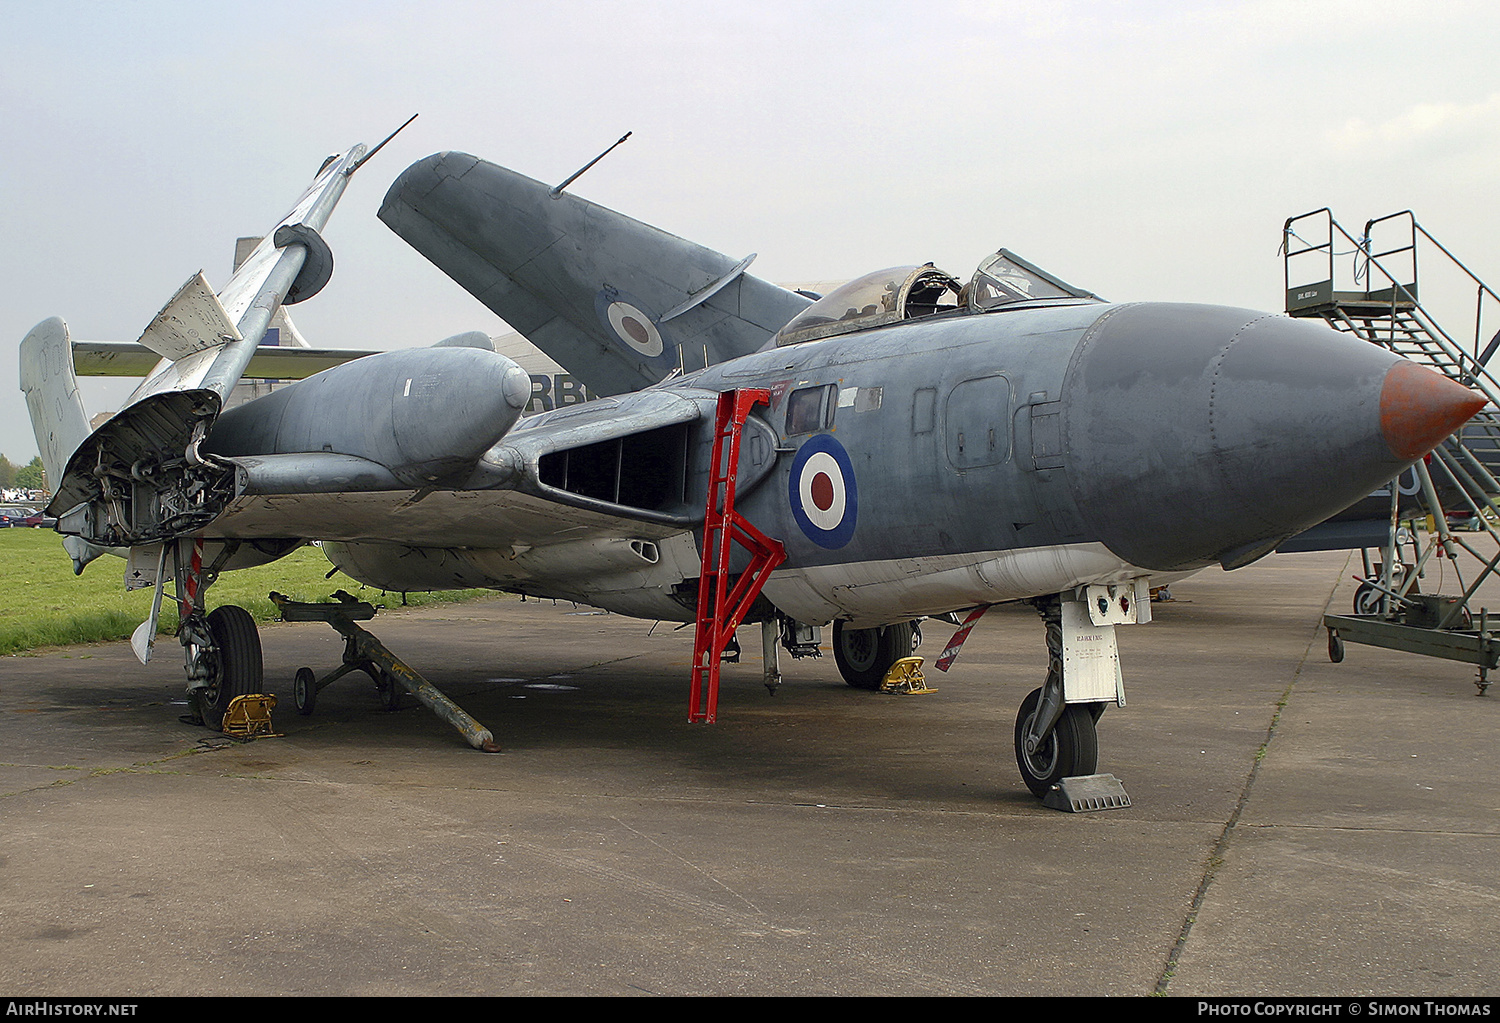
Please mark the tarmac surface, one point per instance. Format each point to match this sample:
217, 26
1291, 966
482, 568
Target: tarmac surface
1298, 827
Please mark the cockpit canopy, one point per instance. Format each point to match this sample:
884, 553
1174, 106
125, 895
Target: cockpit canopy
883, 296
1005, 278
907, 292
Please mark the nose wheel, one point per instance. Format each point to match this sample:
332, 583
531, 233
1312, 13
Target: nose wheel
1070, 749
1055, 739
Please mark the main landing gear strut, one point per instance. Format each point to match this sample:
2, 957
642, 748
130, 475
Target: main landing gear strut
221, 647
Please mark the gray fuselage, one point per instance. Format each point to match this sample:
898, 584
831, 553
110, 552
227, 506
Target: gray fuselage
916, 468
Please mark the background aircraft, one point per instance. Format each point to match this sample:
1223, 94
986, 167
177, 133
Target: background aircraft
905, 446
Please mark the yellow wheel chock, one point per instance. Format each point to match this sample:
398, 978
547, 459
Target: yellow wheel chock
906, 678
249, 716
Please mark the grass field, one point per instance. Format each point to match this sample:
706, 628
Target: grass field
42, 603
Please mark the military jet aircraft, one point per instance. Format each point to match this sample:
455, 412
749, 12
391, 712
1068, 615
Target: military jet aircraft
907, 446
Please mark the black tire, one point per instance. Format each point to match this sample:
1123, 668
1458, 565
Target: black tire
1072, 748
305, 691
238, 670
1335, 647
864, 656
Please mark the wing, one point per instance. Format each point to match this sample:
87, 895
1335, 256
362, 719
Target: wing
619, 304
139, 478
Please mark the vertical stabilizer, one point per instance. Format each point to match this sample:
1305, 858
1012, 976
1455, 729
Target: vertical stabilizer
57, 414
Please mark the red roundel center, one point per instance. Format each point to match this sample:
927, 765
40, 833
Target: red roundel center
634, 328
822, 491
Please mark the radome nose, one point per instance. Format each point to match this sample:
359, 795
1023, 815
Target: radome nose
1418, 408
1197, 434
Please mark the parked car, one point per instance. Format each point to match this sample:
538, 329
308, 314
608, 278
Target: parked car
38, 519
13, 515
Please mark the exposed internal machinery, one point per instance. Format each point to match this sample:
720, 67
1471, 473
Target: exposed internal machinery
915, 448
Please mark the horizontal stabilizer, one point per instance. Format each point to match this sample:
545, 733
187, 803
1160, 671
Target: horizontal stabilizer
192, 321
270, 362
619, 304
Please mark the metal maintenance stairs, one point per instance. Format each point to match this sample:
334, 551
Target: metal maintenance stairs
1375, 297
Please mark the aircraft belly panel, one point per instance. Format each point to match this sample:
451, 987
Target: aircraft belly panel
880, 592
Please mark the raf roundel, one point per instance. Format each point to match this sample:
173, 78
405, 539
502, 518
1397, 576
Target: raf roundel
822, 492
635, 328
629, 324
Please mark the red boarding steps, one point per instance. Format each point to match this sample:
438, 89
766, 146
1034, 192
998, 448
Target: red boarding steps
720, 610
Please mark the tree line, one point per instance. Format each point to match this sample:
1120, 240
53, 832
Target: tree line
30, 476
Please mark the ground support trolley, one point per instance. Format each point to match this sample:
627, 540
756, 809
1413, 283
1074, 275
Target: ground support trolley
1456, 489
363, 652
1479, 647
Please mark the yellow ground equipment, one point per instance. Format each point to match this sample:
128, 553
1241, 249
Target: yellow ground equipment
249, 716
906, 678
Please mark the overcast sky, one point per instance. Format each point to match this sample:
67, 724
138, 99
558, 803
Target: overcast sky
1143, 150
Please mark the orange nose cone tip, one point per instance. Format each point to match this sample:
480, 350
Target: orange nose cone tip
1418, 408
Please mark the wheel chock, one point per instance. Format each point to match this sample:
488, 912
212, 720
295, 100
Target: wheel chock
1085, 792
249, 716
906, 679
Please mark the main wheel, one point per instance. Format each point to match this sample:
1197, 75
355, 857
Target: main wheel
1366, 600
864, 656
1072, 748
238, 670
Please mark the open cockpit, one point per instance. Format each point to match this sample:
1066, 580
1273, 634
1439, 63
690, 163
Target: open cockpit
909, 292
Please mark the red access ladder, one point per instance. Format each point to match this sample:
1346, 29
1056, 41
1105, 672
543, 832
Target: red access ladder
721, 609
